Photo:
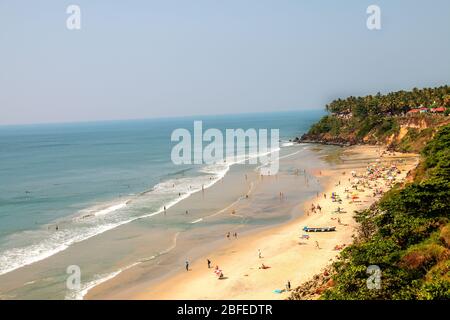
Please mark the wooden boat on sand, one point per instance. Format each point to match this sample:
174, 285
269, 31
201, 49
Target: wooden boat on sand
321, 229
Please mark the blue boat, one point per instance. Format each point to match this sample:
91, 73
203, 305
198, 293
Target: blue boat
322, 229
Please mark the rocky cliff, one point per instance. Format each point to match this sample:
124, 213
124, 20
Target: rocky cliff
400, 133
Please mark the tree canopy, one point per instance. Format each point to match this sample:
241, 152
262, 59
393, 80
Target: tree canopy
392, 103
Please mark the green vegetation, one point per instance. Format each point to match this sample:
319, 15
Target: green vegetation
407, 235
327, 124
415, 139
383, 119
354, 129
393, 103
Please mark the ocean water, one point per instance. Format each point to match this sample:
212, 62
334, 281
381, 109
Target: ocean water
88, 178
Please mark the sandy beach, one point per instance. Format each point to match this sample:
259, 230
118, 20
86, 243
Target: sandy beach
263, 216
288, 256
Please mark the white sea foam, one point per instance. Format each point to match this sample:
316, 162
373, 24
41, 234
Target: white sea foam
287, 144
99, 219
99, 279
111, 209
15, 258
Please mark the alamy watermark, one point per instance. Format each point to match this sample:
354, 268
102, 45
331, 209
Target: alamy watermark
73, 281
374, 280
73, 22
374, 20
251, 146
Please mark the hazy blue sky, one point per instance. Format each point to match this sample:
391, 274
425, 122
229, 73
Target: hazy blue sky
142, 59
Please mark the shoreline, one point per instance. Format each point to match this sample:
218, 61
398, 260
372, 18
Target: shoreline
289, 258
94, 211
327, 143
214, 224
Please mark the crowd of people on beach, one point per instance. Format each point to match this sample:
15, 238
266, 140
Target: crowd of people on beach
370, 182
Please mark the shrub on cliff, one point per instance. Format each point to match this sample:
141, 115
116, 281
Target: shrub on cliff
327, 124
406, 236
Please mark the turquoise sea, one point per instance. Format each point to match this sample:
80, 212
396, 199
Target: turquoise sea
80, 177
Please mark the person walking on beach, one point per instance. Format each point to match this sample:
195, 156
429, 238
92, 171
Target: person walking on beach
187, 265
209, 263
186, 212
235, 235
317, 245
228, 236
288, 286
164, 210
259, 253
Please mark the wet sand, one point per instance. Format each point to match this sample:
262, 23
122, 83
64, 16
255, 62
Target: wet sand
146, 241
145, 259
125, 261
261, 210
288, 257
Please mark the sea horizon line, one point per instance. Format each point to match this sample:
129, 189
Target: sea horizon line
79, 122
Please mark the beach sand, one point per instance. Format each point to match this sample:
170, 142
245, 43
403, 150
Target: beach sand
288, 257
